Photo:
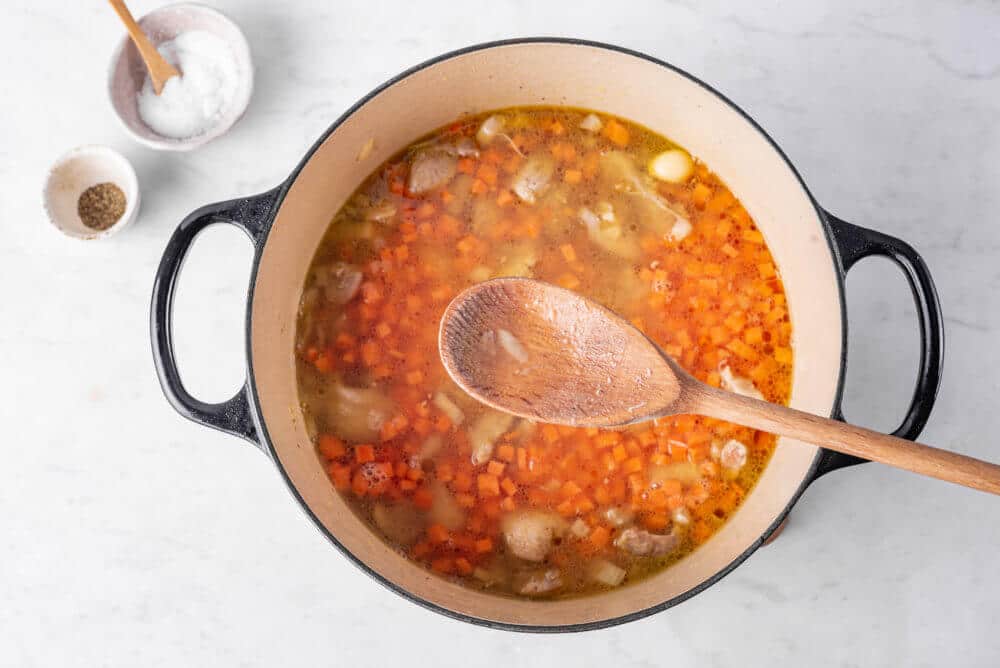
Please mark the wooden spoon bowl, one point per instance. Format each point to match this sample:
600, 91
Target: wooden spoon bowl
548, 354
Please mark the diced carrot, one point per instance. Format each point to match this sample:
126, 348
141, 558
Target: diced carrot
479, 187
522, 458
437, 533
599, 537
364, 453
488, 174
508, 504
550, 433
443, 565
700, 195
495, 468
463, 566
632, 465
568, 281
466, 165
324, 363
359, 483
465, 500
568, 252
753, 335
508, 486
753, 236
505, 452
741, 349
340, 474
619, 453
331, 447
484, 545
442, 423
488, 485
407, 485
423, 499
572, 176
783, 355
569, 489
504, 198
414, 377
462, 481
616, 132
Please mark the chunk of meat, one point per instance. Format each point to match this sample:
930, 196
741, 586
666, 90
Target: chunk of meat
642, 543
401, 523
738, 384
356, 413
340, 281
541, 582
430, 169
530, 534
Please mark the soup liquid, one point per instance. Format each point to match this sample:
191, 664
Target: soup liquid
440, 477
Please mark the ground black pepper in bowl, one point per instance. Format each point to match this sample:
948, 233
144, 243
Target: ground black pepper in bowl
101, 206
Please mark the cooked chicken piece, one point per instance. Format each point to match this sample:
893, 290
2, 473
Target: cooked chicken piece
642, 543
530, 534
541, 582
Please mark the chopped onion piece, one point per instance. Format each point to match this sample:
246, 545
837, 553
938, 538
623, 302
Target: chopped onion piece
619, 516
738, 384
485, 431
532, 180
489, 129
513, 347
449, 408
445, 509
681, 516
579, 528
591, 123
606, 573
682, 227
672, 166
685, 472
733, 455
381, 212
430, 447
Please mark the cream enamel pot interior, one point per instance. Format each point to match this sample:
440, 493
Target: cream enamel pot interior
813, 251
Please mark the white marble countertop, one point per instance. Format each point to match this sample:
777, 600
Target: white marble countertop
131, 537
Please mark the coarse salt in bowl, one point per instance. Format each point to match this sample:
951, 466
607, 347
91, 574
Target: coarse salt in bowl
128, 73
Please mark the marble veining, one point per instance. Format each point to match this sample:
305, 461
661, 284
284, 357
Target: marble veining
131, 537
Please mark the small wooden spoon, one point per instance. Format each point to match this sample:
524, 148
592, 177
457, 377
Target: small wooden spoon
548, 354
159, 69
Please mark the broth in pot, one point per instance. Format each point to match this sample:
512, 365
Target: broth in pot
593, 203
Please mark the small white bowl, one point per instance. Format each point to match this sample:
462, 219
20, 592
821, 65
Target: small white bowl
78, 170
127, 72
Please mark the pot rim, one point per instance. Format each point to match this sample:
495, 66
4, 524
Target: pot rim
265, 439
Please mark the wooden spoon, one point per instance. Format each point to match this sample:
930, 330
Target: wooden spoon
159, 69
548, 354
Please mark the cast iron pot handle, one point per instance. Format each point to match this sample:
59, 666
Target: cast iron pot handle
854, 243
252, 215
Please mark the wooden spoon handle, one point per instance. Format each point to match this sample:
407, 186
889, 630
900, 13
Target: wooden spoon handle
846, 438
159, 69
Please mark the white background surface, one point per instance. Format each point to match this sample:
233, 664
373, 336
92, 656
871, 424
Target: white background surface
130, 537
